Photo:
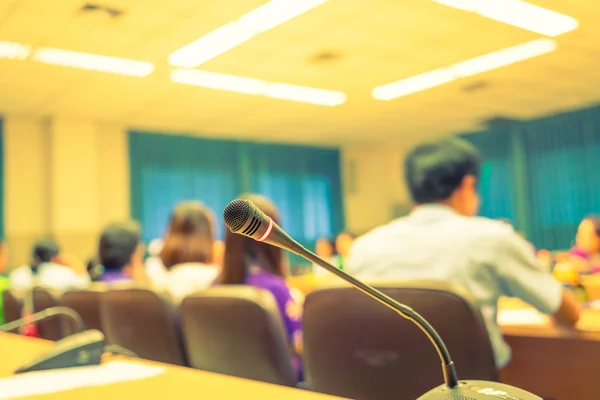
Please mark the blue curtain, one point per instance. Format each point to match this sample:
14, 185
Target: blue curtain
304, 182
542, 174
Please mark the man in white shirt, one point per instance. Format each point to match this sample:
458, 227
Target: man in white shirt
442, 239
48, 271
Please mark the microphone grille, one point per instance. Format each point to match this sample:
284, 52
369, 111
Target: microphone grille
237, 213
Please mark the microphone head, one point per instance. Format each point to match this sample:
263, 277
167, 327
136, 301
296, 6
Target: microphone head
243, 217
237, 213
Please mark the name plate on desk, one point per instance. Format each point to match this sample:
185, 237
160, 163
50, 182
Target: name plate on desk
52, 381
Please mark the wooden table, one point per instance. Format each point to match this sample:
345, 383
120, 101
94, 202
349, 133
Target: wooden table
175, 383
553, 362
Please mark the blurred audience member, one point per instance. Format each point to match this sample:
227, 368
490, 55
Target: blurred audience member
261, 265
120, 252
343, 245
442, 239
585, 256
49, 269
187, 253
325, 248
4, 282
155, 270
218, 253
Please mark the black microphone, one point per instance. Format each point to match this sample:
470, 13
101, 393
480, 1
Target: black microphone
43, 315
84, 348
244, 218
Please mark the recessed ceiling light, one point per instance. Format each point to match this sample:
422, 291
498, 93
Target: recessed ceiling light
258, 87
14, 51
462, 69
228, 36
518, 13
93, 62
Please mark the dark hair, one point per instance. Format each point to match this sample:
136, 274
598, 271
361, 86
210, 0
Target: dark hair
595, 220
190, 235
433, 171
242, 252
43, 251
117, 244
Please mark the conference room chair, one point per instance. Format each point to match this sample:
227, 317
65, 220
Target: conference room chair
356, 347
87, 304
144, 322
237, 330
13, 306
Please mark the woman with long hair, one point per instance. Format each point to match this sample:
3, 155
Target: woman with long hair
248, 262
187, 252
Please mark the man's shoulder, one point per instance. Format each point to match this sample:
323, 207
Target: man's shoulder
483, 227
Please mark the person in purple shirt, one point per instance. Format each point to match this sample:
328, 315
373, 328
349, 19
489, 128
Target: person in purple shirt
120, 252
586, 254
249, 262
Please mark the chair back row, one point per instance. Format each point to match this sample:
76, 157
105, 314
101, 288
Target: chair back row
234, 330
353, 346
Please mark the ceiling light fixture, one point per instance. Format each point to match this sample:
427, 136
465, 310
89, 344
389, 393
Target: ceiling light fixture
93, 62
14, 51
228, 36
518, 13
463, 69
258, 87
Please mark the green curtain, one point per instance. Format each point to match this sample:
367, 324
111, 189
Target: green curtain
545, 171
304, 182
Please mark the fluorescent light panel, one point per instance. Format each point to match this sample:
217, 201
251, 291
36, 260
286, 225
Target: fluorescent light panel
14, 51
93, 62
463, 69
518, 13
231, 35
258, 87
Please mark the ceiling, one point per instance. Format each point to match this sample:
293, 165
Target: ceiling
378, 41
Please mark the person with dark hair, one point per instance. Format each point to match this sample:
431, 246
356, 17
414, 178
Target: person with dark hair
443, 239
49, 269
187, 252
585, 256
248, 262
120, 252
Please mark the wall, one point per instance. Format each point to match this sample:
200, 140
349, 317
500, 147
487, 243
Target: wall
373, 184
64, 178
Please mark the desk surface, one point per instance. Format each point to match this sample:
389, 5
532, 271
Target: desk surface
176, 383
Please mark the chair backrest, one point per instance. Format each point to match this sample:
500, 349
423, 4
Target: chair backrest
87, 304
144, 322
357, 348
13, 306
237, 330
52, 328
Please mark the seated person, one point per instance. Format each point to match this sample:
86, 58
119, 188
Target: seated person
4, 282
442, 239
261, 265
187, 252
50, 270
343, 245
585, 256
120, 253
325, 248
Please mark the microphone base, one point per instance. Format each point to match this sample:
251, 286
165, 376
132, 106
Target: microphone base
478, 390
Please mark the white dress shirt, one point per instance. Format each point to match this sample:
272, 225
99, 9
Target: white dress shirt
49, 276
484, 256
